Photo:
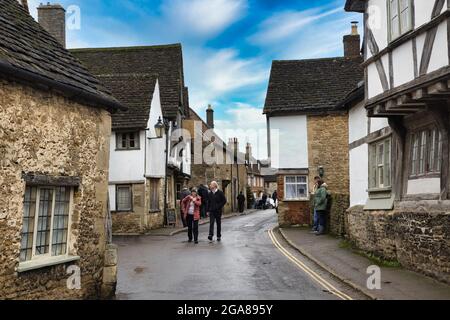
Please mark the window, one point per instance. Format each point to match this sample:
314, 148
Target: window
400, 18
154, 195
45, 227
426, 152
296, 188
123, 198
380, 164
127, 140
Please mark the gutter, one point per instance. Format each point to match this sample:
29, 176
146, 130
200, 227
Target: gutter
40, 82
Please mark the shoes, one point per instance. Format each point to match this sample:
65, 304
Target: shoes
219, 239
190, 240
196, 242
314, 231
210, 238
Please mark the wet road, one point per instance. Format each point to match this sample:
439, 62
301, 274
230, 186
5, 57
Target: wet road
245, 265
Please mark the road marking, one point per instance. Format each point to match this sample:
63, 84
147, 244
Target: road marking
324, 283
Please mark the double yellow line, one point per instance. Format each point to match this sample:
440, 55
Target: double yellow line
328, 286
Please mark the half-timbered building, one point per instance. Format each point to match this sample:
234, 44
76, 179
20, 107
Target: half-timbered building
407, 73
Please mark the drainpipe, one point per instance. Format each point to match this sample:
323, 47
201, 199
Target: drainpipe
166, 222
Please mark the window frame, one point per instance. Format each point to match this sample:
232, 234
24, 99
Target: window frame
414, 170
118, 186
306, 198
410, 27
119, 139
36, 258
152, 183
373, 147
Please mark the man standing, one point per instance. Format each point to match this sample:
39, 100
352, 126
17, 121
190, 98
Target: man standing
184, 193
317, 180
241, 202
216, 202
320, 206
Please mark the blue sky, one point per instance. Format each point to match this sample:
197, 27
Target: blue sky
228, 45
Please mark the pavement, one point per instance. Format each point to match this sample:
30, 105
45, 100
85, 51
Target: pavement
245, 265
171, 231
351, 268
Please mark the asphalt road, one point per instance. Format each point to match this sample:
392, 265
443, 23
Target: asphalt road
245, 265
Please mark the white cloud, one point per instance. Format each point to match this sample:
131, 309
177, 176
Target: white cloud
212, 74
288, 23
248, 124
202, 17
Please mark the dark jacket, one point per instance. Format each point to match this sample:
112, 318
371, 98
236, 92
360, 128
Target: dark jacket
321, 199
203, 192
216, 201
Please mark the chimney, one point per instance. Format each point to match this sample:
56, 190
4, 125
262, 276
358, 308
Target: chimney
210, 117
248, 152
352, 46
52, 17
24, 3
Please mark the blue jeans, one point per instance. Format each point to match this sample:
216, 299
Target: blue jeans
322, 220
316, 221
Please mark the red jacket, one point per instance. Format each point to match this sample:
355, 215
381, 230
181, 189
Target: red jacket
185, 206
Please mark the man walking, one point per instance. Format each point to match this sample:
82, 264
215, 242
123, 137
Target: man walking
216, 202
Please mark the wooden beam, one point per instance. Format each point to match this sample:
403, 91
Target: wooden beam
438, 88
406, 100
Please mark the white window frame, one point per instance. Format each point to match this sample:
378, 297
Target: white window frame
296, 183
409, 27
46, 256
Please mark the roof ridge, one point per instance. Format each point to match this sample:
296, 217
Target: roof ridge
127, 48
319, 59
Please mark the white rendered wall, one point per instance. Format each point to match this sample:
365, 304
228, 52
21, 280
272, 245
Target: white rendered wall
126, 165
403, 64
424, 186
112, 197
156, 147
357, 122
290, 148
359, 175
439, 55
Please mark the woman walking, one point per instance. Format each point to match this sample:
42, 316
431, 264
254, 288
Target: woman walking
191, 210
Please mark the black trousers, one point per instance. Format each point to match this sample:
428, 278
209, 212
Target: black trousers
215, 217
192, 227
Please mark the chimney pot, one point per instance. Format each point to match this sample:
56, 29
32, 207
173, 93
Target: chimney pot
210, 117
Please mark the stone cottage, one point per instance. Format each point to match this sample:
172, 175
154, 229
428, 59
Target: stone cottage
147, 169
308, 134
404, 215
55, 127
227, 166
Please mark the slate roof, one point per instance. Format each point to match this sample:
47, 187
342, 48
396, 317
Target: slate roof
136, 69
355, 5
311, 86
30, 55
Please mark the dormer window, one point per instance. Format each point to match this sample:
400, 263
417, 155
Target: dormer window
400, 18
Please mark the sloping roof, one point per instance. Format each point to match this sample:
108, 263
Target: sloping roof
311, 86
165, 62
136, 92
29, 54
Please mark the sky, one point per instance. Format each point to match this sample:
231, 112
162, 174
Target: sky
228, 45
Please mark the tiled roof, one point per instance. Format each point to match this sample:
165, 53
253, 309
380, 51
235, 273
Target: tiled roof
135, 67
29, 54
311, 86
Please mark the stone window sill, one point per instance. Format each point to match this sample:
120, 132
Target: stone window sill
155, 211
45, 262
297, 200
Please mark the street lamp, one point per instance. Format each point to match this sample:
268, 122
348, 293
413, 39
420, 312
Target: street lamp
160, 127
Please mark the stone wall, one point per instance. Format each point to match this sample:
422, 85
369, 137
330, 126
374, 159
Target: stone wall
417, 235
134, 221
49, 135
328, 147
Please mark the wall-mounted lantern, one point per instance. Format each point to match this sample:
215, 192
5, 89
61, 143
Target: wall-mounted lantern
160, 127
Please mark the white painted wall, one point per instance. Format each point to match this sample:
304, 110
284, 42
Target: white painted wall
403, 64
424, 186
374, 83
112, 197
155, 166
377, 11
126, 165
289, 142
359, 175
378, 124
423, 11
439, 55
357, 121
